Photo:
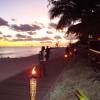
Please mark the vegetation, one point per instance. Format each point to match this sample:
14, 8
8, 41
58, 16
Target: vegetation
85, 12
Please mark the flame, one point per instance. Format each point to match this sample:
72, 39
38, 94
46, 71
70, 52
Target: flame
33, 71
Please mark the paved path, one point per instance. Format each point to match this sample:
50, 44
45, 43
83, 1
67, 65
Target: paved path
53, 69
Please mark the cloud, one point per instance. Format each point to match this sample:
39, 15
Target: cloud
7, 36
49, 41
25, 27
4, 37
25, 39
1, 38
42, 39
22, 27
36, 27
46, 42
57, 37
49, 32
52, 25
39, 24
29, 38
32, 33
3, 22
13, 19
22, 38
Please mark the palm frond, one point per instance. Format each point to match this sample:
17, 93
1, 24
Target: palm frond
55, 12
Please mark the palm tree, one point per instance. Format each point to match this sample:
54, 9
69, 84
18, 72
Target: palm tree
87, 12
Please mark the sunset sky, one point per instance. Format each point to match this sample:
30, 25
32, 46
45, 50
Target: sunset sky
27, 20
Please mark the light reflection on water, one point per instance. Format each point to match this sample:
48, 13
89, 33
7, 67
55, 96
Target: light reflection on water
16, 52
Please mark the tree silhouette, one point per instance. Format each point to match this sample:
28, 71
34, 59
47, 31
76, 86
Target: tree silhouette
87, 12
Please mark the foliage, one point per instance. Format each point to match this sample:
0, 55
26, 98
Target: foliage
70, 11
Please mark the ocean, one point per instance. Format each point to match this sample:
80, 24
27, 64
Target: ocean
17, 52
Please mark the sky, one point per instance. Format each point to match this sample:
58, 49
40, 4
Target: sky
24, 21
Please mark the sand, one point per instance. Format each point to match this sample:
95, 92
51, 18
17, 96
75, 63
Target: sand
12, 66
14, 76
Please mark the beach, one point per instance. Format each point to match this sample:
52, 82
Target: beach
14, 80
12, 66
60, 83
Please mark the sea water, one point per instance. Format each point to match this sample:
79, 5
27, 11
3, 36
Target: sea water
17, 52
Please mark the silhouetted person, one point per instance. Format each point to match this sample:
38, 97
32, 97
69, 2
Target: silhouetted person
42, 49
47, 53
42, 59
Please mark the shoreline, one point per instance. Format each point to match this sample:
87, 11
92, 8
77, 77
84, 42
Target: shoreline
11, 66
4, 57
16, 86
